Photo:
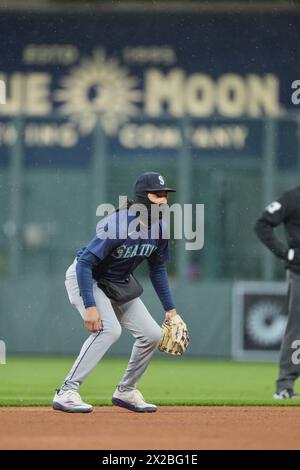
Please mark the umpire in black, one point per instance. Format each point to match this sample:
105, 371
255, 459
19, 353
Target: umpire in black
286, 210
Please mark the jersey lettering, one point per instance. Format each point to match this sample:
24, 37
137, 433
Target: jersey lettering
123, 251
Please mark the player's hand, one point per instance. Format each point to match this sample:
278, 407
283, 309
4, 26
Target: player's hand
175, 336
170, 314
92, 320
293, 256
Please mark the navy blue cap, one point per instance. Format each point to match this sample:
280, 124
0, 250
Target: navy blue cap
151, 182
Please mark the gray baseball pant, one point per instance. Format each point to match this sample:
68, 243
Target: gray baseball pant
132, 315
288, 372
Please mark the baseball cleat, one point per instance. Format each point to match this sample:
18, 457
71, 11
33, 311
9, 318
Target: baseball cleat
132, 400
286, 393
70, 402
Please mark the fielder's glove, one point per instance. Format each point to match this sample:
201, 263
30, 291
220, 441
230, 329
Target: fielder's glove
175, 339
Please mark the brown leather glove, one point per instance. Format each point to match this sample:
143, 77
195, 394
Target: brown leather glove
175, 339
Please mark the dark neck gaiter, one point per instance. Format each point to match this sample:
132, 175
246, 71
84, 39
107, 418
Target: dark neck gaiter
142, 198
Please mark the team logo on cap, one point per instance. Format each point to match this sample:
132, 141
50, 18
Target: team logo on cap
161, 180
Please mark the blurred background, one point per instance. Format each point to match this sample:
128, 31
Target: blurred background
98, 92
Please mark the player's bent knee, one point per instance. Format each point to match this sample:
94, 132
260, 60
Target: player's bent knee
155, 337
115, 334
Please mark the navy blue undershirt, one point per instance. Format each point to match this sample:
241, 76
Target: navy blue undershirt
158, 276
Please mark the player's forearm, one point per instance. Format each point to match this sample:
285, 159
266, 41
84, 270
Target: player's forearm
85, 281
159, 279
265, 233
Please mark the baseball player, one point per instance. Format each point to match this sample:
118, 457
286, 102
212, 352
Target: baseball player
286, 210
102, 273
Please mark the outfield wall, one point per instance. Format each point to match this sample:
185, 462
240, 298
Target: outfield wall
37, 317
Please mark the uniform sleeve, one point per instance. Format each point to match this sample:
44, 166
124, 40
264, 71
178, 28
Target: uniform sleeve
162, 253
84, 274
158, 272
276, 213
104, 242
159, 279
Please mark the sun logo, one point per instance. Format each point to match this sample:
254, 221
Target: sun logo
99, 86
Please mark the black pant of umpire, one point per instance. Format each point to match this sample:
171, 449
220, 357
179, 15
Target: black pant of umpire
288, 369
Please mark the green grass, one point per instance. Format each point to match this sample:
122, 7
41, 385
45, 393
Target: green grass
31, 381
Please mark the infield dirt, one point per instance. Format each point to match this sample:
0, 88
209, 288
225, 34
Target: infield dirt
170, 428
